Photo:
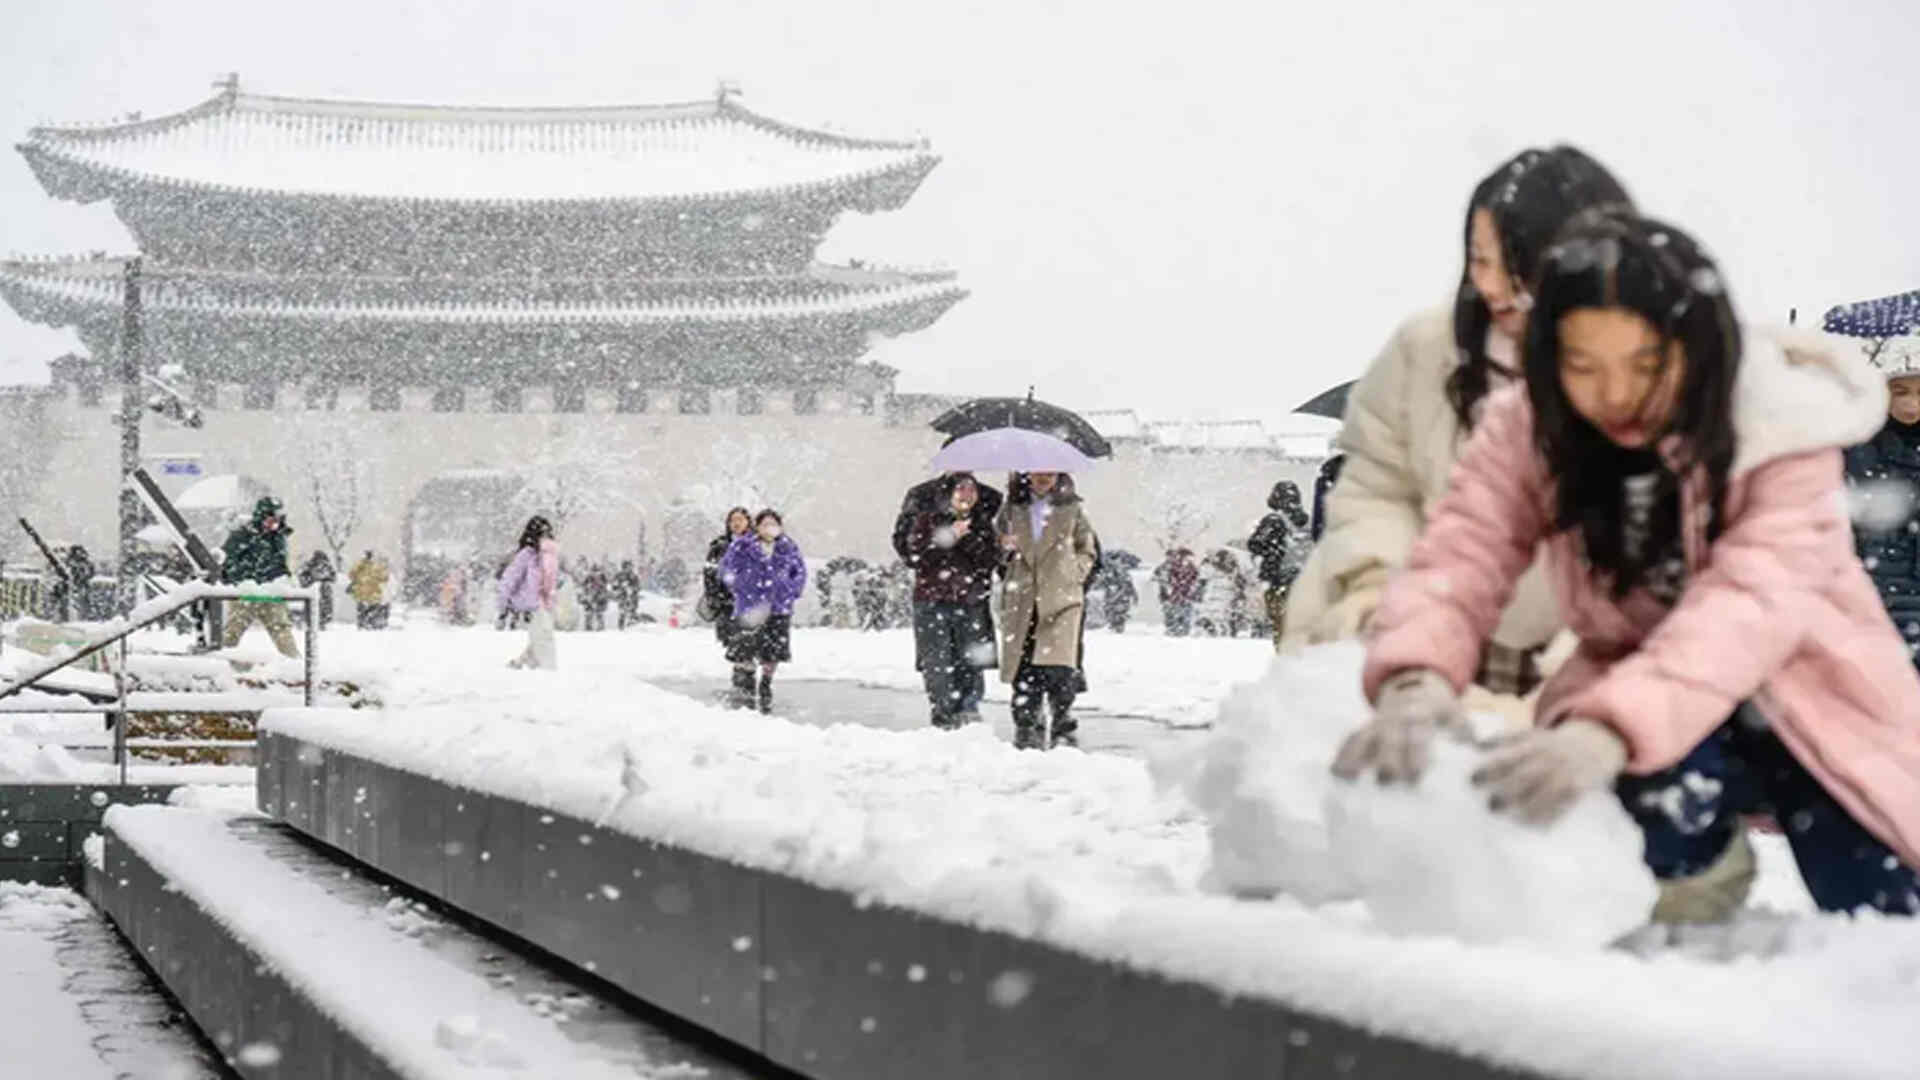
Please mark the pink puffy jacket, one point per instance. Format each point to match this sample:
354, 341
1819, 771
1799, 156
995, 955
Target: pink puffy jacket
1777, 610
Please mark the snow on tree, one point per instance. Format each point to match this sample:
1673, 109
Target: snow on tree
334, 477
575, 470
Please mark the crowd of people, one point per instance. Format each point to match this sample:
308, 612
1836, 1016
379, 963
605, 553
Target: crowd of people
1678, 556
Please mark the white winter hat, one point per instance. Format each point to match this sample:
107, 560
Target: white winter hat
1897, 358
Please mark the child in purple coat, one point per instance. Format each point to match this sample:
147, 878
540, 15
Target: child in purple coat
767, 574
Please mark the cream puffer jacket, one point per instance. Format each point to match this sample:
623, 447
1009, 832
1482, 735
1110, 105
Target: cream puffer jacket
1401, 441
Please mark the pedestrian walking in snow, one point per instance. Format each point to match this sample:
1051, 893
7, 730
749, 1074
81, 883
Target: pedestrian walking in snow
1278, 542
257, 552
529, 586
80, 573
1179, 581
1323, 483
596, 592
1884, 474
1221, 609
767, 575
367, 585
953, 554
1685, 482
1047, 550
318, 572
1410, 414
1114, 583
626, 594
716, 602
455, 601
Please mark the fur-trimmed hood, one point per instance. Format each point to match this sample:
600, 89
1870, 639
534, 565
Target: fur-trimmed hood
1802, 390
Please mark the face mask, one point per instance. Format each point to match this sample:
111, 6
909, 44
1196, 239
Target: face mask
770, 532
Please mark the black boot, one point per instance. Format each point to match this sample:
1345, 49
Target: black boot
766, 691
1066, 730
741, 696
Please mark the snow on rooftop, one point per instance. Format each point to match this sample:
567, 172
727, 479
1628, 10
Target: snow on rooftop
256, 143
29, 284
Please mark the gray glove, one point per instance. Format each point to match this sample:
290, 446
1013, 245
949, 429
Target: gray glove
1536, 776
1396, 742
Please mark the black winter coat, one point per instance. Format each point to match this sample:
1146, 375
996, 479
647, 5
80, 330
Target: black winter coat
950, 571
1890, 547
715, 595
932, 497
1272, 543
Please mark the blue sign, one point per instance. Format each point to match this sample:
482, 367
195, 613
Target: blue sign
180, 468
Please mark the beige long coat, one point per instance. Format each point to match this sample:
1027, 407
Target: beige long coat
1401, 440
1045, 579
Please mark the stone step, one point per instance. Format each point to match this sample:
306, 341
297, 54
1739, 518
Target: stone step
298, 965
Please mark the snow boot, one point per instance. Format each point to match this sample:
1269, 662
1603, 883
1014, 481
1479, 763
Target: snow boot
741, 696
1065, 730
1028, 737
766, 691
1713, 895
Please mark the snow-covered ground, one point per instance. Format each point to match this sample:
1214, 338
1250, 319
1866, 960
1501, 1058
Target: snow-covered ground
1107, 854
1087, 851
76, 1006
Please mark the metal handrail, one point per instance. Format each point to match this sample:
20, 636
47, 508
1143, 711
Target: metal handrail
192, 593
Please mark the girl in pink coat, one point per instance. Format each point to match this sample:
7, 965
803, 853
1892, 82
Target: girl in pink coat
1734, 657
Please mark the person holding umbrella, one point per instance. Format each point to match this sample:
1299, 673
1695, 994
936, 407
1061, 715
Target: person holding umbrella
953, 554
1048, 549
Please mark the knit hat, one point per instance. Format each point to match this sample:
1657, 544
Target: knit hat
1897, 358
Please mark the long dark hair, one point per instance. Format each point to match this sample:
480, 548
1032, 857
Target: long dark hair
726, 523
1530, 197
538, 528
1615, 259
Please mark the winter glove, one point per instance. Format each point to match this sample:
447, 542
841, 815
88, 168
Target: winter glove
1536, 776
1413, 705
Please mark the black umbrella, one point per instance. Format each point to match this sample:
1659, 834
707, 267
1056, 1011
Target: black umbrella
1332, 404
991, 414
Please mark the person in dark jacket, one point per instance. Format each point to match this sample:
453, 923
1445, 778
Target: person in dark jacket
953, 552
1118, 593
716, 603
626, 594
80, 574
932, 495
596, 591
1179, 581
318, 570
1884, 473
257, 552
1322, 484
1275, 543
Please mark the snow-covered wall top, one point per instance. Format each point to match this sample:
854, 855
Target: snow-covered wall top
255, 143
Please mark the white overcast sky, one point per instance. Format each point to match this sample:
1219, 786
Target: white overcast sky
1195, 208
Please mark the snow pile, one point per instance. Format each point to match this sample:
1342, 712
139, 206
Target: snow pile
23, 760
1261, 778
1433, 859
1426, 859
1080, 851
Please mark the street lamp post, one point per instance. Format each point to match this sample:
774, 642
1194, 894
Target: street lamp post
130, 409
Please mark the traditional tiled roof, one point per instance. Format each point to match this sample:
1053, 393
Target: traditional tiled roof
250, 143
62, 291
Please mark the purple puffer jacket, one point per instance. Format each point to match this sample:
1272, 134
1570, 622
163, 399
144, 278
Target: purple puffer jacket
761, 582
